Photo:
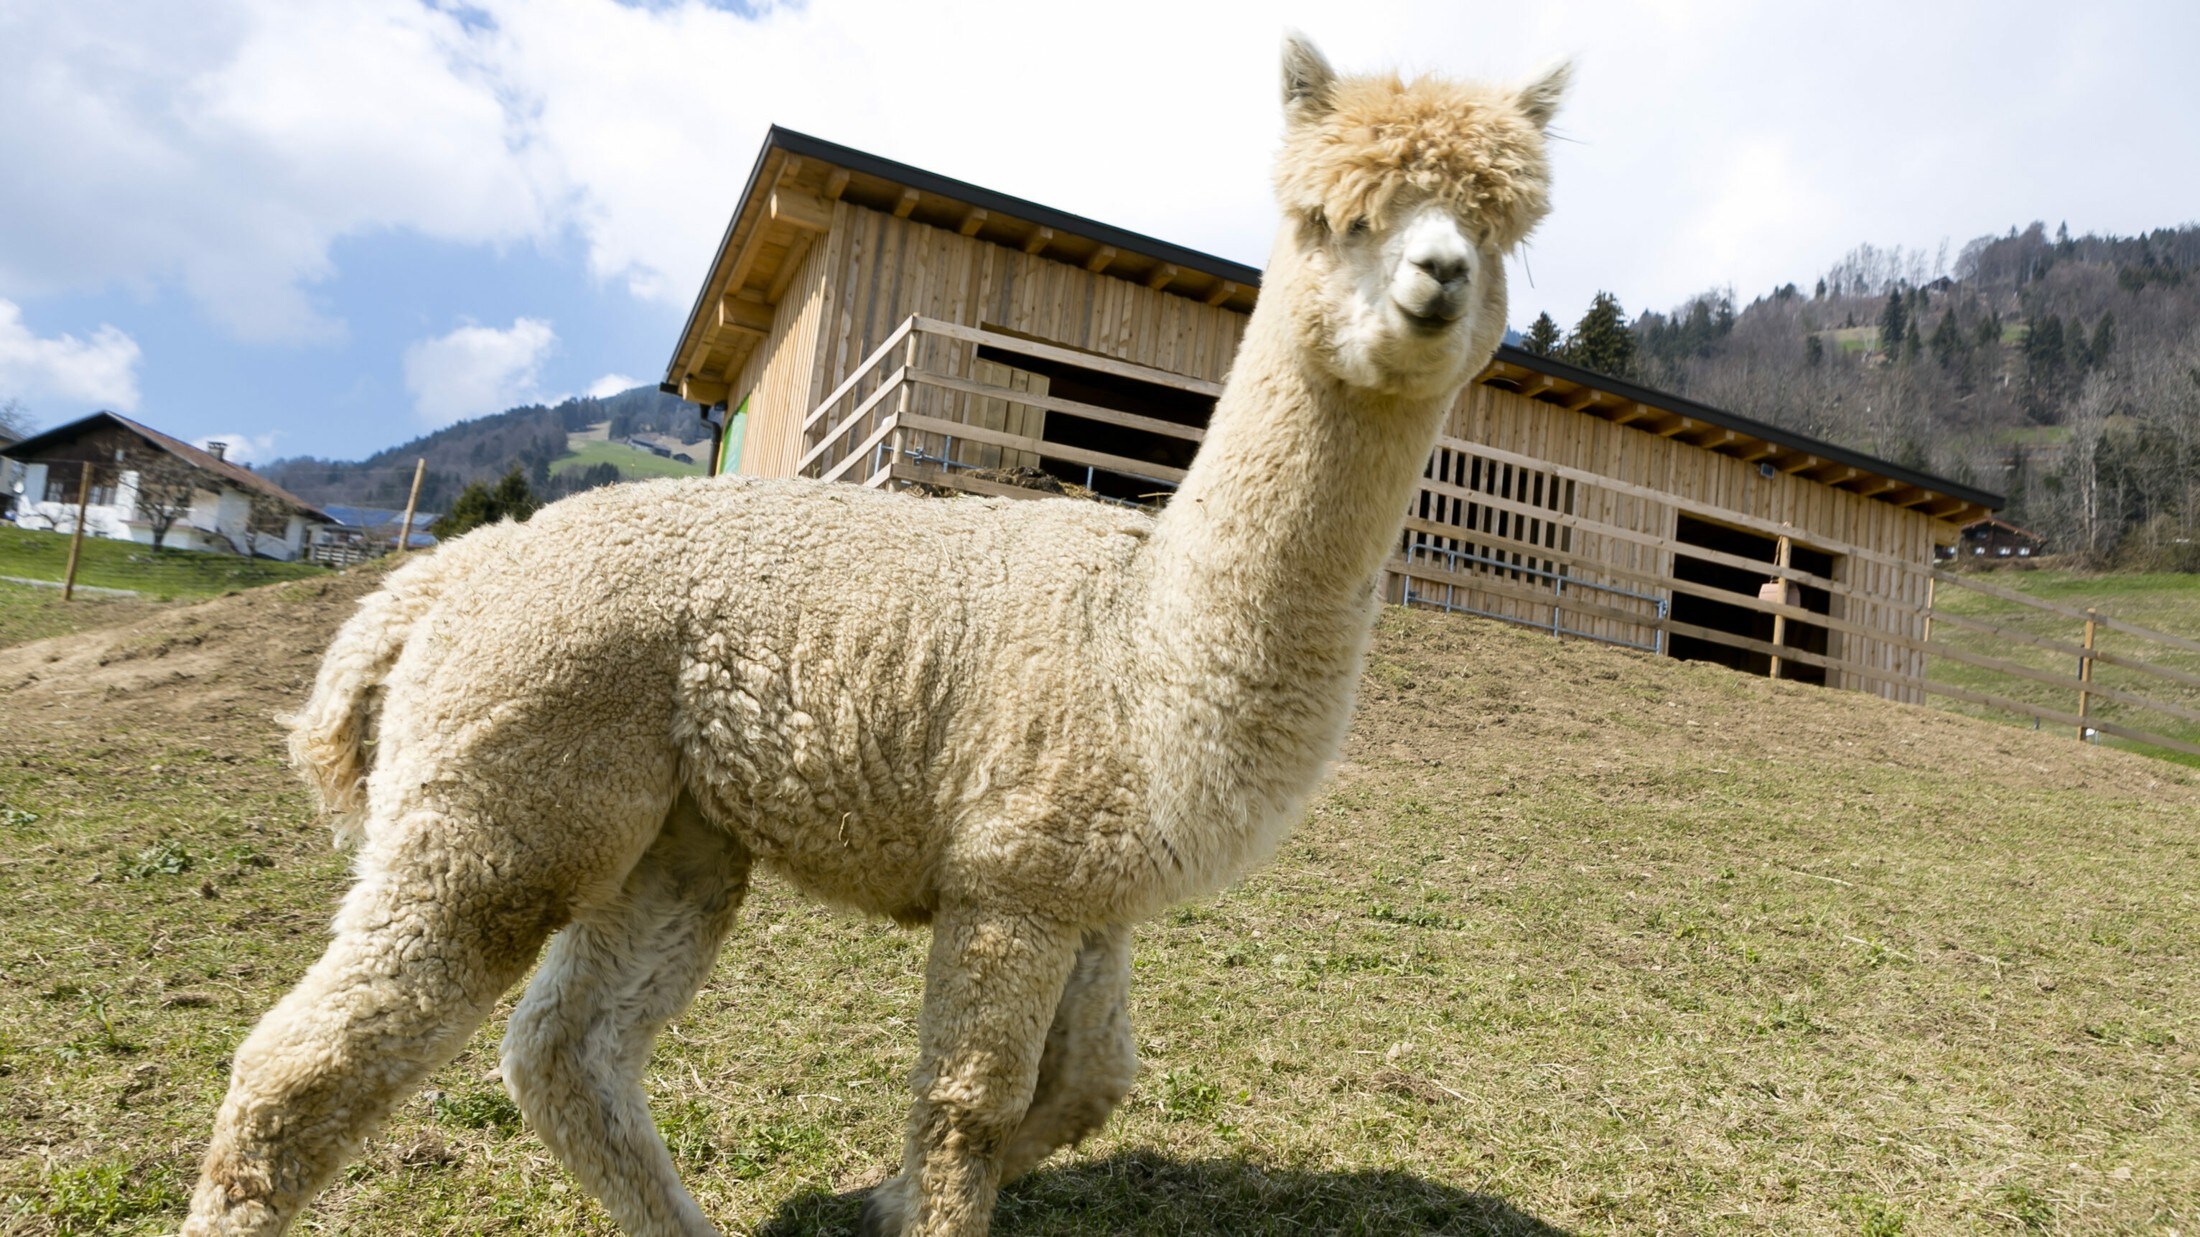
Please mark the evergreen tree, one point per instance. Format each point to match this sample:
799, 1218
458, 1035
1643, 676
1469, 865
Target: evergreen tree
1891, 321
1814, 350
2043, 351
1601, 340
1698, 332
1542, 336
1821, 293
2104, 338
478, 504
1912, 345
1989, 332
1947, 341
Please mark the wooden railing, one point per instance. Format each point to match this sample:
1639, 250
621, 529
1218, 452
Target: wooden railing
918, 410
2145, 687
1575, 595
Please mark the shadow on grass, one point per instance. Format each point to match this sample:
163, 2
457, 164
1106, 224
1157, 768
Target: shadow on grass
1141, 1192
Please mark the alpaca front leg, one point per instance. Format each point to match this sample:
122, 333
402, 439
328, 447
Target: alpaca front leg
1091, 1057
990, 992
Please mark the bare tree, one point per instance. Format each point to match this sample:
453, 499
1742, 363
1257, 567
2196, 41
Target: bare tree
166, 487
266, 522
2082, 507
15, 418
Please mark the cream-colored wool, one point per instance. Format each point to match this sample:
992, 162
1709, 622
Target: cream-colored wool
1028, 724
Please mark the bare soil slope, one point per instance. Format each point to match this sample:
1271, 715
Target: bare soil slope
1578, 940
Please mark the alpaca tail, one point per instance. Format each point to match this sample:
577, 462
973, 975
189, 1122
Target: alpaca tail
332, 737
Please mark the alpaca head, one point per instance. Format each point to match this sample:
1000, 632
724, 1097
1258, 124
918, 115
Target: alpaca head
1400, 200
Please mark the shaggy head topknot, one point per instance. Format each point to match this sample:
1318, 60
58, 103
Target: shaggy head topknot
1353, 143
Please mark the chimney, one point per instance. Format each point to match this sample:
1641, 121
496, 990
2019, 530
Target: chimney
218, 450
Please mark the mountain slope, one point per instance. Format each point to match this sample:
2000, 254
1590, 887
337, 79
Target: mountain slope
532, 439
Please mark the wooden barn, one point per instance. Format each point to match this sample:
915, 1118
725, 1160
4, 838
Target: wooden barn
870, 322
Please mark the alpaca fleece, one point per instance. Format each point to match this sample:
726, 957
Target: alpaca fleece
1028, 724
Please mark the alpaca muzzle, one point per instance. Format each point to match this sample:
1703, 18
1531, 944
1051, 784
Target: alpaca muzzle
1427, 301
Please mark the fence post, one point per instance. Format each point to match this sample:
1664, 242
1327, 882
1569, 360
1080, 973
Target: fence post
1780, 557
76, 536
2085, 671
412, 501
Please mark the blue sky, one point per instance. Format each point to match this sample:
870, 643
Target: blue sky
323, 228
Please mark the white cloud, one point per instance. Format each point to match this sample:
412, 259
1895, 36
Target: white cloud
101, 370
477, 370
610, 385
226, 146
242, 448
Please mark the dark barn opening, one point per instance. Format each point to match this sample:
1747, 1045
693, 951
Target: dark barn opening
1715, 615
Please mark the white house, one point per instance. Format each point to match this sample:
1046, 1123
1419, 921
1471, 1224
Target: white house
150, 488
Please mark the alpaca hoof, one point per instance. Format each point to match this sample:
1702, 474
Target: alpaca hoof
885, 1212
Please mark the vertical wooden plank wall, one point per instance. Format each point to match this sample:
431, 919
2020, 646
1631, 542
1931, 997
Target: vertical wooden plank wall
1884, 552
880, 270
871, 271
779, 375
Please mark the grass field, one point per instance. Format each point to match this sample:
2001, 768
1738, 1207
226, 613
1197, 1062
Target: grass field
31, 613
1577, 941
156, 575
633, 464
2167, 602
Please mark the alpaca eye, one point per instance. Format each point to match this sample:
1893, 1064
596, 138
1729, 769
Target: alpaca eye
1358, 227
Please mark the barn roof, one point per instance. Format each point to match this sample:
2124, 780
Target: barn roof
1730, 433
787, 204
242, 478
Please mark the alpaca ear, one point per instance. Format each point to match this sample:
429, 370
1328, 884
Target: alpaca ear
1538, 101
1307, 79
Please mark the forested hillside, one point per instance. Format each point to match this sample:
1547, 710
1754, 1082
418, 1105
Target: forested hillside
484, 449
2063, 371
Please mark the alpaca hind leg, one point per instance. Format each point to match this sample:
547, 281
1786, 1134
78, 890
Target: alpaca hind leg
577, 1044
424, 945
991, 988
1091, 1057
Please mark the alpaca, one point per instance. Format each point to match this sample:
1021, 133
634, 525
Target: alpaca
1028, 724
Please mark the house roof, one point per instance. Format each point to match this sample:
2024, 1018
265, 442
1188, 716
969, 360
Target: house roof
2004, 525
796, 177
240, 477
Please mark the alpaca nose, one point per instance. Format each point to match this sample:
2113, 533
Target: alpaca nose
1445, 267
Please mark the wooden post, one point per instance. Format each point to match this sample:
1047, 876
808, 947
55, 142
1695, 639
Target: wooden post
2085, 671
412, 502
76, 537
1780, 558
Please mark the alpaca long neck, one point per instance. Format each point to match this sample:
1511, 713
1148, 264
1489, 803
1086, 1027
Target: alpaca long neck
1262, 572
1268, 551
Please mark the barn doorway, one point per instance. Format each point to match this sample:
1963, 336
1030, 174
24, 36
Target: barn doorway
1697, 610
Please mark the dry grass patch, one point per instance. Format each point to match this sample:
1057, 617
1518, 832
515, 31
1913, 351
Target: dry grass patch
1578, 941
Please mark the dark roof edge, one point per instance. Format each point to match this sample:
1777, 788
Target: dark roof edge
671, 384
1512, 355
994, 202
989, 200
197, 457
